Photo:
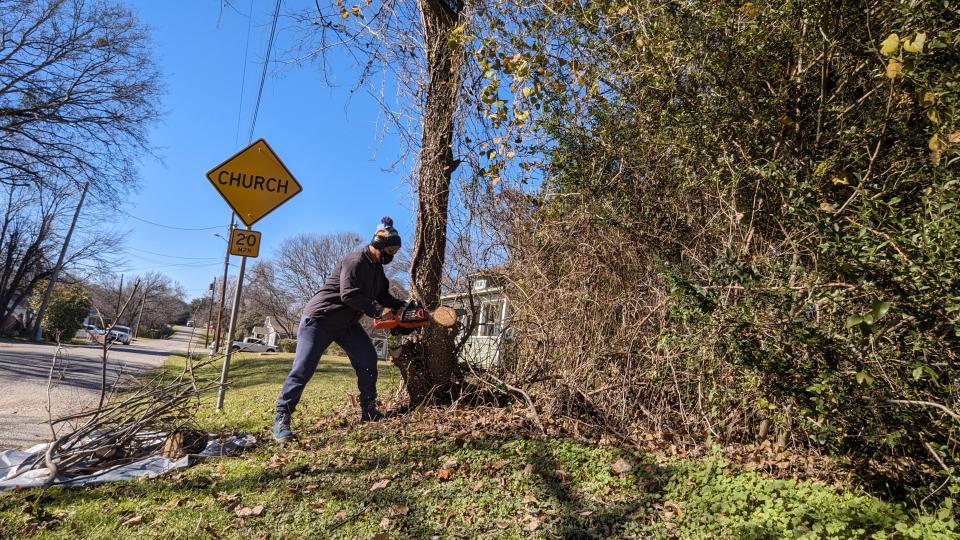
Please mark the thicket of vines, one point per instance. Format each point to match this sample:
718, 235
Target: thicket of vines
731, 221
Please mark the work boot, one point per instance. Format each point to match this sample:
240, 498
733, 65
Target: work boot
281, 427
369, 412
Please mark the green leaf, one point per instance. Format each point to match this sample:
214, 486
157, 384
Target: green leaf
853, 321
917, 373
879, 309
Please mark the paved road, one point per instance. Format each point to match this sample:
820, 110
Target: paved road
25, 367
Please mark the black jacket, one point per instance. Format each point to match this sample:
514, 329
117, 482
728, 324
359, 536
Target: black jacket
356, 287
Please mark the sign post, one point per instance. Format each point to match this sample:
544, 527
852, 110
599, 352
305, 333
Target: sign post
253, 182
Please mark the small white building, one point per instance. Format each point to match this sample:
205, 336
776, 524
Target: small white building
270, 333
485, 311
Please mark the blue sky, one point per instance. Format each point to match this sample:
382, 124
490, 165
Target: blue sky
329, 140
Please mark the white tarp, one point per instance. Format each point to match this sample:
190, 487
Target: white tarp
150, 467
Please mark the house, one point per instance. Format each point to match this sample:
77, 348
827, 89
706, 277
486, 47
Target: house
18, 319
484, 310
93, 318
271, 332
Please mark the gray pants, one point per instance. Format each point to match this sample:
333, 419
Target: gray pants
313, 337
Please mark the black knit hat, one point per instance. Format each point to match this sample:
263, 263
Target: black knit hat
386, 235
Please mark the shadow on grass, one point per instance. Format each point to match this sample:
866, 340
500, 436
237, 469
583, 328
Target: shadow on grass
248, 372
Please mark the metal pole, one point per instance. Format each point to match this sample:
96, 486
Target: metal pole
213, 298
37, 329
223, 288
229, 341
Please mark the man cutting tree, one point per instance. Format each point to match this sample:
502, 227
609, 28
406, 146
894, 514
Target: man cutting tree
356, 287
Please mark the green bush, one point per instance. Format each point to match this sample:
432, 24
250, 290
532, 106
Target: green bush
163, 332
288, 345
68, 307
761, 199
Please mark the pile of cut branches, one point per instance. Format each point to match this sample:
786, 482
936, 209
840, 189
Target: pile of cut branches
156, 416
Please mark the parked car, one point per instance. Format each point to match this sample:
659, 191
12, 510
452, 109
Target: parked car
252, 345
190, 323
120, 334
89, 331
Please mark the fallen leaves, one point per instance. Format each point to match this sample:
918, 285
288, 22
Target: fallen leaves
498, 464
894, 67
228, 501
250, 512
621, 466
135, 520
398, 510
382, 484
916, 45
890, 46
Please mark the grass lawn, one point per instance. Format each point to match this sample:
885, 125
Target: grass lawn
413, 476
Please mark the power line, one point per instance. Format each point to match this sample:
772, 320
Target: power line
178, 264
243, 76
175, 256
155, 224
263, 74
125, 269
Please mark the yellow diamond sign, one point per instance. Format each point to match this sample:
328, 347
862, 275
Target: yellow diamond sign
254, 182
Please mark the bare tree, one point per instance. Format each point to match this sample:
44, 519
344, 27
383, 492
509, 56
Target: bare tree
304, 261
78, 88
265, 295
161, 302
158, 299
32, 226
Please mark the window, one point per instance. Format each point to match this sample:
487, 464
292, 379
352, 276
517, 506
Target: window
490, 322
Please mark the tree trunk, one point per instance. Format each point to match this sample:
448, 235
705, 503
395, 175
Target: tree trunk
426, 360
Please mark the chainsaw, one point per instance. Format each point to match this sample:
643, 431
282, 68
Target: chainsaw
409, 317
413, 316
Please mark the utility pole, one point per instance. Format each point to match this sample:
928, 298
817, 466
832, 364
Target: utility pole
136, 327
243, 260
213, 297
37, 331
225, 372
116, 319
223, 286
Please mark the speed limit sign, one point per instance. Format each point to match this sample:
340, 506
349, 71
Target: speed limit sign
244, 243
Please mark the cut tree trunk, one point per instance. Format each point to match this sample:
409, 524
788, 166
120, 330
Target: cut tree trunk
426, 359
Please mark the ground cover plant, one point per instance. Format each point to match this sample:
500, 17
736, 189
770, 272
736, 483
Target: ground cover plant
480, 473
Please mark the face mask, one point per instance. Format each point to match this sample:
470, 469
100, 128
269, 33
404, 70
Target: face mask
385, 257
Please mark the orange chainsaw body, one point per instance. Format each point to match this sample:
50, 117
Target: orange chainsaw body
412, 316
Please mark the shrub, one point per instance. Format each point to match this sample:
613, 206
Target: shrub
288, 345
68, 307
744, 223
